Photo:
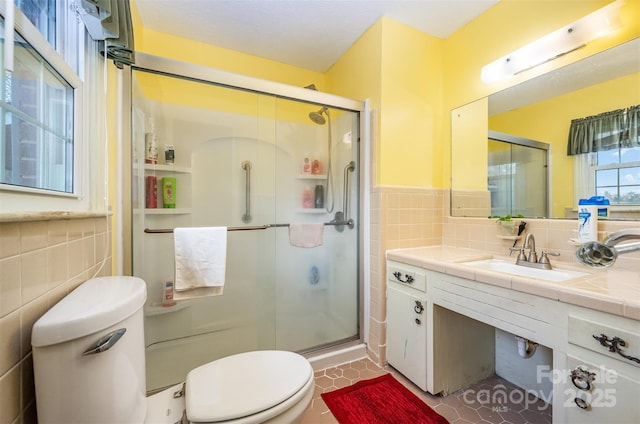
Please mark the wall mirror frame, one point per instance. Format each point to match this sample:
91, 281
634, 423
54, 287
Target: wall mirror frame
471, 123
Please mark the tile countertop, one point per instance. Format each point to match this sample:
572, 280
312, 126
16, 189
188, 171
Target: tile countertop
612, 290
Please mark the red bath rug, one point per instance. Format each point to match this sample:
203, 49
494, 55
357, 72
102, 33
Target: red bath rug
380, 400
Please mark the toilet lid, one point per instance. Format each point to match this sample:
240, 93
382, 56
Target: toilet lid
244, 384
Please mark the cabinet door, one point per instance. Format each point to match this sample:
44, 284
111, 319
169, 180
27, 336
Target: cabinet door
612, 396
407, 335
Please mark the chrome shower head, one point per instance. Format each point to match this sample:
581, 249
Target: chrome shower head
603, 255
317, 116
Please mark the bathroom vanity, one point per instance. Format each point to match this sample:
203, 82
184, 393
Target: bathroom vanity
587, 322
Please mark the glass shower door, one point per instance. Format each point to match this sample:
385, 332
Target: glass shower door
237, 164
316, 288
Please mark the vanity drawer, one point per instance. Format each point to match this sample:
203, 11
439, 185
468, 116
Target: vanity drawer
407, 275
619, 340
607, 395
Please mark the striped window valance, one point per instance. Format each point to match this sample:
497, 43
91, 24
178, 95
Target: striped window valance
609, 130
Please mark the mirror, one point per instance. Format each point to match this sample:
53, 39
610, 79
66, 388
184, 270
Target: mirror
540, 109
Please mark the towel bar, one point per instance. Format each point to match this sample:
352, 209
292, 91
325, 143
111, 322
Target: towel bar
249, 228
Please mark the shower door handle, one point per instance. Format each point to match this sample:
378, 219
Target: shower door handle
246, 165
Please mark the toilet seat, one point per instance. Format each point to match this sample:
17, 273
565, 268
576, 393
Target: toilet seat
245, 384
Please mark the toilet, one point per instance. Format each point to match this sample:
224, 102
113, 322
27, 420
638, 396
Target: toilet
89, 367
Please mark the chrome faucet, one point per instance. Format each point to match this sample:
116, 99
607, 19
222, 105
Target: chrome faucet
530, 243
603, 255
532, 260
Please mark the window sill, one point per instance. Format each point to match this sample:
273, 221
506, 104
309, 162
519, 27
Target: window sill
47, 216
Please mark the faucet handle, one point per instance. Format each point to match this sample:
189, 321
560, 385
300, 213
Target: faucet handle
544, 258
521, 254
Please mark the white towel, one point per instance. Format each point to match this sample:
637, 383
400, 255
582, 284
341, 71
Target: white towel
200, 257
306, 235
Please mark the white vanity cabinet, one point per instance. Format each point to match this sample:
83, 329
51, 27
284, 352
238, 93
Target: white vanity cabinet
406, 321
421, 334
595, 364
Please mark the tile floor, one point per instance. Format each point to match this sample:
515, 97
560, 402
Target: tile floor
464, 406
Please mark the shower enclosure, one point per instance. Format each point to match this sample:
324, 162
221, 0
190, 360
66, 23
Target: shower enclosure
232, 150
518, 177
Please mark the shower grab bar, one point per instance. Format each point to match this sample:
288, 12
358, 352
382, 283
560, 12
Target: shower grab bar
348, 223
351, 166
246, 165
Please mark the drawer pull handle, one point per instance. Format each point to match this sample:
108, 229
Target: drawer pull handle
418, 308
582, 378
614, 346
408, 278
582, 404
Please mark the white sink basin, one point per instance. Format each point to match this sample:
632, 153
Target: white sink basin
509, 267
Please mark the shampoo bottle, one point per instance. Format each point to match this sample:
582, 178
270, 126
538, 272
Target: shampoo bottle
319, 197
306, 164
316, 167
151, 144
168, 192
307, 198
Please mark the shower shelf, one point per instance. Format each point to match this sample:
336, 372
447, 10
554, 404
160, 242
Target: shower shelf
167, 211
156, 309
312, 210
166, 168
312, 177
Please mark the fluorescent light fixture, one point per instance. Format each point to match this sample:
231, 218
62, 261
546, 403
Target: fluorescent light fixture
572, 37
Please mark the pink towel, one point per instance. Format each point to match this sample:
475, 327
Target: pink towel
306, 235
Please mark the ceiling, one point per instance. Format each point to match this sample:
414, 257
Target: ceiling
310, 34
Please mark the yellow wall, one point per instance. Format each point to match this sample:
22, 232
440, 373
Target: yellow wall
357, 74
411, 109
400, 70
549, 121
507, 26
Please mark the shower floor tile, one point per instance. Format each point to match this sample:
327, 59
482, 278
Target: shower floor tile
463, 406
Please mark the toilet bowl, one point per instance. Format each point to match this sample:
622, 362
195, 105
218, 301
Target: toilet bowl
88, 358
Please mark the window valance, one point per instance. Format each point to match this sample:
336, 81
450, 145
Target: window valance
606, 131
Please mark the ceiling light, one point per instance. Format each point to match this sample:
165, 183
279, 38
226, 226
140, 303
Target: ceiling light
572, 37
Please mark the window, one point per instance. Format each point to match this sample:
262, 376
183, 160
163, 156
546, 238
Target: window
606, 148
41, 99
617, 175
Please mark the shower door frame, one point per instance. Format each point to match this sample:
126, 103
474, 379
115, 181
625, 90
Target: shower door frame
144, 62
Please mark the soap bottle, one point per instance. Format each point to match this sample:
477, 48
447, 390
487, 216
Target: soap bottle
307, 198
316, 167
167, 299
306, 164
151, 144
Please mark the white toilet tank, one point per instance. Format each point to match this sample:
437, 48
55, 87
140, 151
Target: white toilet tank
88, 354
